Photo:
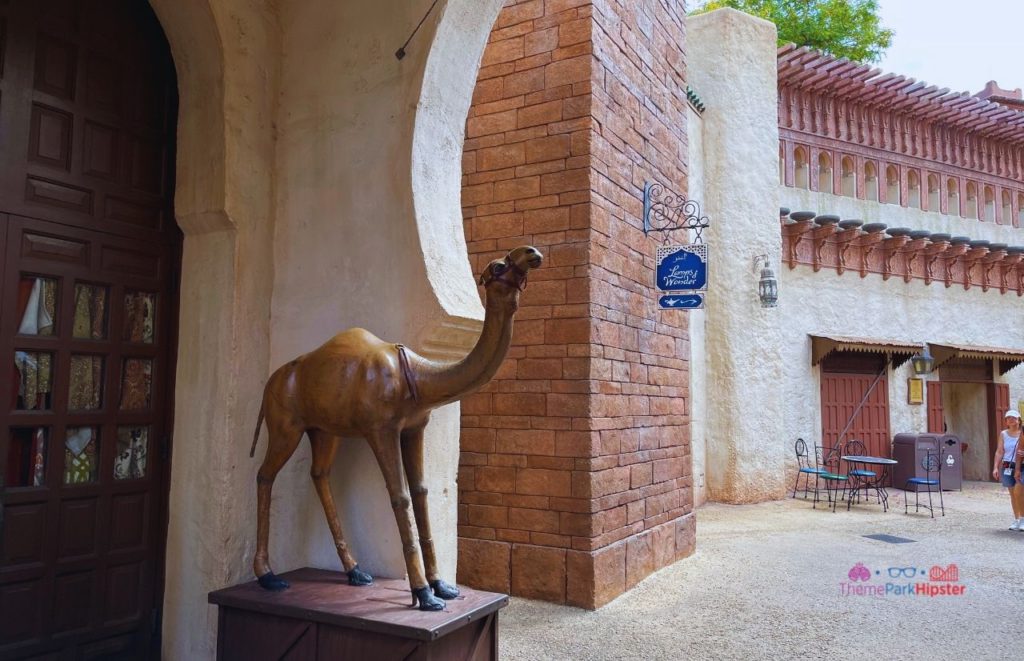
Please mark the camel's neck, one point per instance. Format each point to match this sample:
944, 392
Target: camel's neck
444, 383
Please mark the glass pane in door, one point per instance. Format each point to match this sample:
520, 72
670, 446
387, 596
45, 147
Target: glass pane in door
81, 455
26, 457
136, 384
37, 305
33, 371
85, 388
139, 316
132, 447
90, 321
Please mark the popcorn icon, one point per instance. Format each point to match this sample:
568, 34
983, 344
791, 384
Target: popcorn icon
859, 573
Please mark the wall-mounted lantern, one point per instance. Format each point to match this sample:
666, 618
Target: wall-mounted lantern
922, 362
767, 285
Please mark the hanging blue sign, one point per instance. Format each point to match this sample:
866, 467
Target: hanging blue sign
680, 301
682, 268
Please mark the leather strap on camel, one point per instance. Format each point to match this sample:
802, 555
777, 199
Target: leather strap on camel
410, 380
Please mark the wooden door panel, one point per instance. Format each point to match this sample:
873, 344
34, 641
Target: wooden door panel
22, 605
96, 534
22, 543
92, 145
840, 395
87, 116
936, 414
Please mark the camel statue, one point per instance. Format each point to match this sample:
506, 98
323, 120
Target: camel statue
358, 385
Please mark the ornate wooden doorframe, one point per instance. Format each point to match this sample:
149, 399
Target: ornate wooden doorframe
88, 312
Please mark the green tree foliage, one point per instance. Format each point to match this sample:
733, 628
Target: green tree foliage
842, 28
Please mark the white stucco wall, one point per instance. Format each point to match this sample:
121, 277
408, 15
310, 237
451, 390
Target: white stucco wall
827, 303
318, 188
697, 325
369, 233
732, 66
756, 389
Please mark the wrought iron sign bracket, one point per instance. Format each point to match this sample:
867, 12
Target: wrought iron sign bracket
667, 212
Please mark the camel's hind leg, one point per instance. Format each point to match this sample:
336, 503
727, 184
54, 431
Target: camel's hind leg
324, 447
284, 437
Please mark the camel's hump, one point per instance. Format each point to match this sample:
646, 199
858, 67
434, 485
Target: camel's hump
355, 341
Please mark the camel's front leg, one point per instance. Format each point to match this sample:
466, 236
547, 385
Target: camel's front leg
412, 459
385, 444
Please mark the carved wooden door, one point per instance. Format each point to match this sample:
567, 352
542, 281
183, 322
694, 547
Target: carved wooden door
87, 316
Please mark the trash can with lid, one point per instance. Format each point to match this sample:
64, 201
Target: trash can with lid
952, 461
909, 450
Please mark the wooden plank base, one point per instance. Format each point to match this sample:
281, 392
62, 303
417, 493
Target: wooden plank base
323, 617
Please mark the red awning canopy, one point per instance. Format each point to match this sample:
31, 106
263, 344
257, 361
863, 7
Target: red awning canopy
898, 352
1008, 358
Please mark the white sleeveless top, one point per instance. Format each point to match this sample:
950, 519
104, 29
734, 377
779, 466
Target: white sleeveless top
1009, 445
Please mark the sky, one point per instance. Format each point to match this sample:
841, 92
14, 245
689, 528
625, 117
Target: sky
956, 44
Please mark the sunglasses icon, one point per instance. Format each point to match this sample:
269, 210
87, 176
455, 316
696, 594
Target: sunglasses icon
908, 572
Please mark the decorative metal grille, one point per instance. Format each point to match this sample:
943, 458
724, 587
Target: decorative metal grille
667, 212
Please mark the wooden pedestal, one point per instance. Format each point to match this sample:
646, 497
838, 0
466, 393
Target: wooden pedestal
322, 617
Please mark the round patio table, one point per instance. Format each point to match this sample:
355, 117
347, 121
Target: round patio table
880, 466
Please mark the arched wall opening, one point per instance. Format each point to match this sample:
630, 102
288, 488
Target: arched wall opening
824, 172
913, 190
282, 159
801, 171
934, 194
849, 180
971, 205
870, 182
988, 211
953, 197
892, 185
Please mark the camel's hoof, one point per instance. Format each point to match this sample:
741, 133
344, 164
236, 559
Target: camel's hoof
444, 590
357, 576
270, 581
426, 599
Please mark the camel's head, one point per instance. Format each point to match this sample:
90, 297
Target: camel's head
505, 278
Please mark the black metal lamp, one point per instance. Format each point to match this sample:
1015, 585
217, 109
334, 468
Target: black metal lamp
768, 284
923, 362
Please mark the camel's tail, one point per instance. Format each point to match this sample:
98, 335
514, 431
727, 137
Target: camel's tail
256, 435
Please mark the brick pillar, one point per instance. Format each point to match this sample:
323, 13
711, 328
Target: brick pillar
575, 478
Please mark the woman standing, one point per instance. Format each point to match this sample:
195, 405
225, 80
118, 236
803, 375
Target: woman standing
1006, 466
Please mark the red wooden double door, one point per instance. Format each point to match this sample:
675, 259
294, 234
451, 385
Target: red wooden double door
88, 255
847, 379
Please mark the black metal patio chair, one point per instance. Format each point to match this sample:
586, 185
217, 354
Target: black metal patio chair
933, 478
805, 469
832, 475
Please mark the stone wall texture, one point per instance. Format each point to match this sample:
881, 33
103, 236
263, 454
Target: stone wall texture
575, 471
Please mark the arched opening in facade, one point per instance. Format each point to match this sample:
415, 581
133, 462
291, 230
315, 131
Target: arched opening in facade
870, 182
952, 197
892, 185
988, 211
934, 193
824, 172
90, 314
1006, 210
782, 165
913, 190
849, 178
971, 201
801, 174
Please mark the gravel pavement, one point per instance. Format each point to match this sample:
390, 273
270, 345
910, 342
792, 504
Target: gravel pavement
766, 579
